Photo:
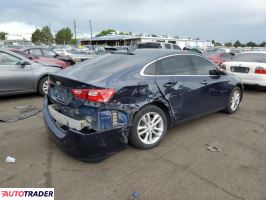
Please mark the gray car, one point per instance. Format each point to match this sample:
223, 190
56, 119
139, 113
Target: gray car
21, 75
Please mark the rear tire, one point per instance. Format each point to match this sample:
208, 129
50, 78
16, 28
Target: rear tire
233, 101
149, 127
43, 86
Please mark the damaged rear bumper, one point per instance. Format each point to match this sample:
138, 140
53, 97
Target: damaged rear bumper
92, 147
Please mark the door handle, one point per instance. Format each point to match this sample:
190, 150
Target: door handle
204, 82
170, 84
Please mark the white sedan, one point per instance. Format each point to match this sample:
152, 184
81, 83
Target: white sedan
249, 66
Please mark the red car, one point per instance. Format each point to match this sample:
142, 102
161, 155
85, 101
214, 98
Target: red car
42, 60
219, 57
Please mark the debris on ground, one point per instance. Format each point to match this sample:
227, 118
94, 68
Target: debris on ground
10, 159
213, 148
135, 194
23, 113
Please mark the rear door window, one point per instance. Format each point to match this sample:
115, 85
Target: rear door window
36, 52
48, 53
175, 65
202, 65
150, 69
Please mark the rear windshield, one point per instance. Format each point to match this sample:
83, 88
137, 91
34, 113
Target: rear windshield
149, 45
250, 57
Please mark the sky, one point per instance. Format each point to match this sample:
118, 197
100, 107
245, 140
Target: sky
223, 21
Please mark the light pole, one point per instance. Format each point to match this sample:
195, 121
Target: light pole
90, 31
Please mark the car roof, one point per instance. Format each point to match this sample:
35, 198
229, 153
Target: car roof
264, 52
35, 47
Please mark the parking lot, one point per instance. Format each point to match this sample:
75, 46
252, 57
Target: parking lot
181, 167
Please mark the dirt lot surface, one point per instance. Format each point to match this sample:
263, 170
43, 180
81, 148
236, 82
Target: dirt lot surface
181, 167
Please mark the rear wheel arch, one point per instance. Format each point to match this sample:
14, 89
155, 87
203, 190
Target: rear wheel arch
241, 89
162, 106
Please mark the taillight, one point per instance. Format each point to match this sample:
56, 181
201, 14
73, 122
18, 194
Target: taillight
223, 66
95, 95
260, 70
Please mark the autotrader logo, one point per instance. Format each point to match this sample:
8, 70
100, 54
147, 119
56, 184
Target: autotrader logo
26, 193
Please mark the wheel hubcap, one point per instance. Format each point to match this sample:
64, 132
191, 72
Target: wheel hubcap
235, 100
150, 128
45, 87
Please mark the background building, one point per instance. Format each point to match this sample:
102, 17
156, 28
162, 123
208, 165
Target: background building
131, 40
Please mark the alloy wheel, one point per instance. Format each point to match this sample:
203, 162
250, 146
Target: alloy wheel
235, 100
45, 87
150, 128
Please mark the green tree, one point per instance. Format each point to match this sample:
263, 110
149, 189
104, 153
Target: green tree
63, 36
47, 37
106, 32
154, 35
73, 42
263, 44
36, 36
228, 44
251, 44
217, 44
237, 44
3, 35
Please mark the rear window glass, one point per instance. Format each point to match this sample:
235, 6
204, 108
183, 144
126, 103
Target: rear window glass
149, 45
175, 65
176, 47
167, 46
250, 57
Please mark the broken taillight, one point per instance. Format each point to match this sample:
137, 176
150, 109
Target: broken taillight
95, 95
260, 70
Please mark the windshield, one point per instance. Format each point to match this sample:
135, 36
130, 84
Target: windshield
250, 57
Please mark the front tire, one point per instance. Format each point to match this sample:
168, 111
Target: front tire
149, 127
233, 101
43, 86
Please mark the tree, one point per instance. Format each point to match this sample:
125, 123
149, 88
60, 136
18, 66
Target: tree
36, 36
154, 35
251, 44
47, 37
73, 42
263, 44
228, 44
106, 32
63, 36
237, 44
217, 44
3, 35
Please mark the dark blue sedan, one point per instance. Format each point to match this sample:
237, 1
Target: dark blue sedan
95, 108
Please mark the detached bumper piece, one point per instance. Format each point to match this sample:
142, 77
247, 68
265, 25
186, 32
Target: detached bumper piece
92, 147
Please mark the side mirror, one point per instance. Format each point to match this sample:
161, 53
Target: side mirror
23, 63
213, 72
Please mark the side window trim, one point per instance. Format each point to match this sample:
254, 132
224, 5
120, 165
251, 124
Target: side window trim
158, 59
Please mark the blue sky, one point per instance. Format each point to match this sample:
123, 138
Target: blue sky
226, 20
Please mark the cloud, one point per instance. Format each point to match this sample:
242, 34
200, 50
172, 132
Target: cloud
225, 20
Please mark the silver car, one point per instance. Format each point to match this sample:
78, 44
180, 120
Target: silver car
21, 75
